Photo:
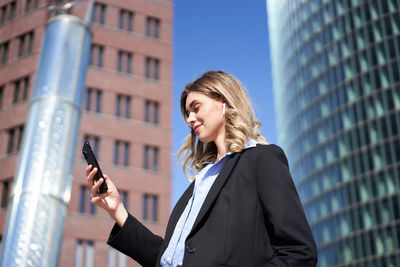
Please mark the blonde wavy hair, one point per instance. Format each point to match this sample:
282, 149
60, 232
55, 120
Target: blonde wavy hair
241, 123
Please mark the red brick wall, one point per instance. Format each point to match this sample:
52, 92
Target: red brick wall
132, 178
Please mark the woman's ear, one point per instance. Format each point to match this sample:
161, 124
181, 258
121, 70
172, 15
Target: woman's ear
223, 100
224, 104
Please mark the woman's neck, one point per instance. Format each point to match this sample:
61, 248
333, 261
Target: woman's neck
222, 148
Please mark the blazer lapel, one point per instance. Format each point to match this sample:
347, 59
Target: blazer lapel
176, 214
215, 189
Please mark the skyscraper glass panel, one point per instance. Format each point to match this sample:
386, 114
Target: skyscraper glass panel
337, 96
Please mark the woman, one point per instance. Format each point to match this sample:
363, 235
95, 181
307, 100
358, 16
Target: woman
242, 208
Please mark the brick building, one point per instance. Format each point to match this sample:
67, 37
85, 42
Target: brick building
126, 114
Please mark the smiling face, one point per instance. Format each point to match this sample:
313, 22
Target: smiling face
205, 116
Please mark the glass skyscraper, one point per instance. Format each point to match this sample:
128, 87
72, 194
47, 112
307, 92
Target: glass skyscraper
337, 94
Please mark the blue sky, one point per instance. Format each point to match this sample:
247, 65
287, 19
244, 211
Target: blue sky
221, 35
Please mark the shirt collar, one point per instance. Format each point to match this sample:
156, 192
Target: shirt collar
250, 143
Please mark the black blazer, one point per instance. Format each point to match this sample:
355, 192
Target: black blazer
252, 216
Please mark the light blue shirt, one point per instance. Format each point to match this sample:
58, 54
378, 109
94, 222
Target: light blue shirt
173, 255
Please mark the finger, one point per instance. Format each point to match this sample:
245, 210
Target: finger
88, 169
96, 187
106, 178
108, 181
99, 197
91, 176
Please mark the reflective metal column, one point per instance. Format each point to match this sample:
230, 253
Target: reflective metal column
42, 188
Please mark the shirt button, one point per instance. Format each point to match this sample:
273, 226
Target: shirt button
169, 260
190, 249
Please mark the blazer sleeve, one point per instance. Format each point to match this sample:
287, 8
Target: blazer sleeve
289, 231
136, 241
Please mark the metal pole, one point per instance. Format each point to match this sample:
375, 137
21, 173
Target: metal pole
89, 13
42, 186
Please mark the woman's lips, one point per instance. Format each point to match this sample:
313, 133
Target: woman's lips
196, 128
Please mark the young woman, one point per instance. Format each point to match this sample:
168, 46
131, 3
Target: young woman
241, 209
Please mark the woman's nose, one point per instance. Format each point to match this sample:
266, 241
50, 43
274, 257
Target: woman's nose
190, 119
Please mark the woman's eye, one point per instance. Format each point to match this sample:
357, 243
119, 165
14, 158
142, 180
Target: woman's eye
196, 109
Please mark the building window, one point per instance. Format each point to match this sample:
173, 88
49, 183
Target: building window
124, 198
99, 13
116, 258
4, 49
150, 158
96, 58
1, 96
152, 68
5, 194
7, 10
93, 100
25, 45
84, 254
125, 20
94, 143
14, 139
21, 87
124, 62
85, 205
150, 207
121, 153
151, 112
122, 107
31, 4
3, 14
12, 9
153, 27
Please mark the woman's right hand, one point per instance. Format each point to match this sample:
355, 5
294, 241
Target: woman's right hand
110, 200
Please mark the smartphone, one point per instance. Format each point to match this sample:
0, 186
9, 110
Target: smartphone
91, 160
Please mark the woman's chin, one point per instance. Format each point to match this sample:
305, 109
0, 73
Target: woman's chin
205, 139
